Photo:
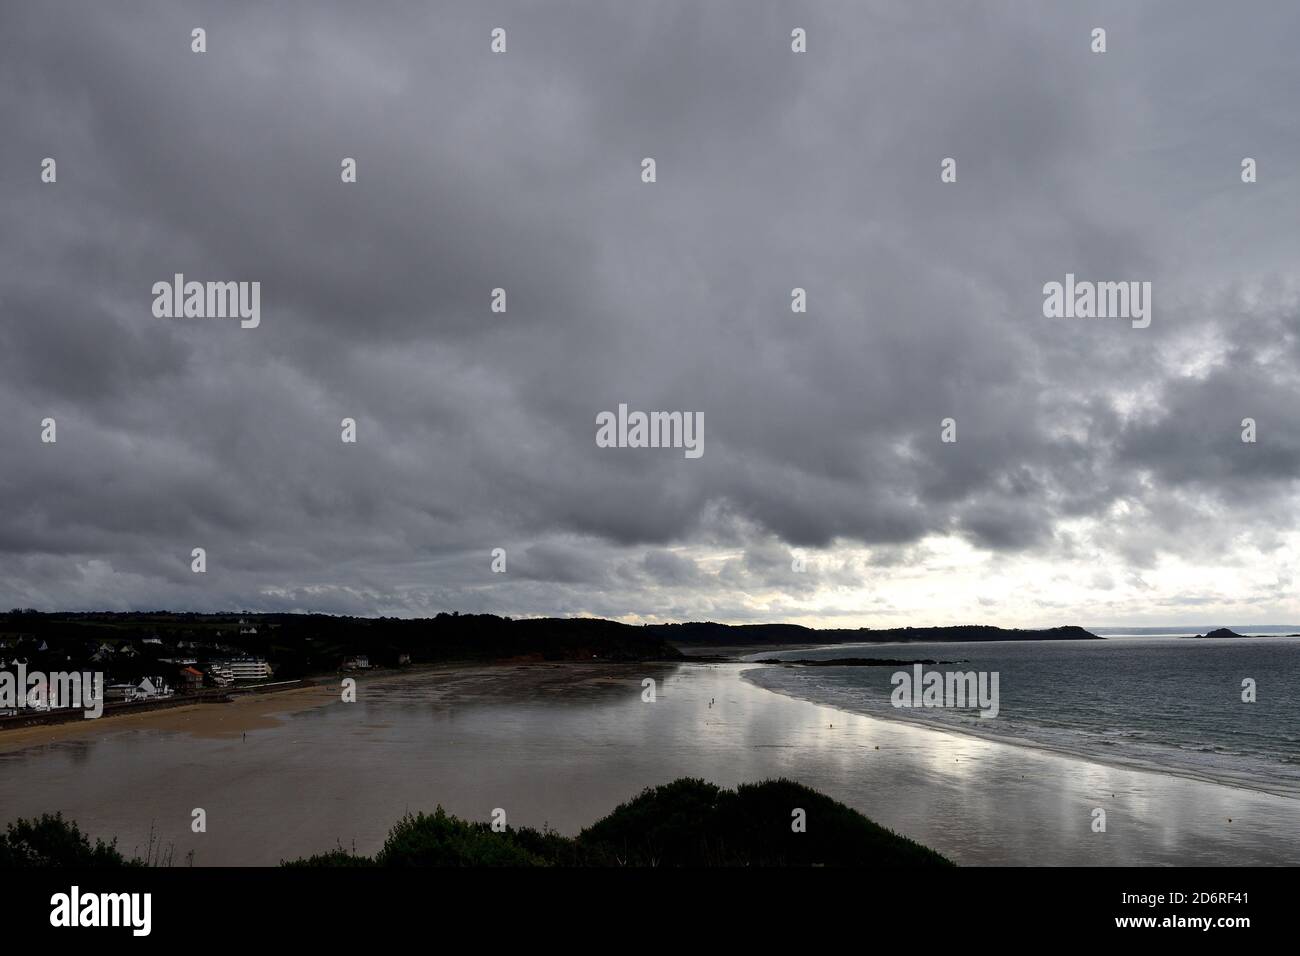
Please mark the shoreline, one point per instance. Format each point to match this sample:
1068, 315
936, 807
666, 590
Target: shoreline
206, 718
209, 695
559, 743
467, 682
1035, 746
471, 682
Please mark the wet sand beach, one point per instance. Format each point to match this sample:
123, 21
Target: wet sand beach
562, 744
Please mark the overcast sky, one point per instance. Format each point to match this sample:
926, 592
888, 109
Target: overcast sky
1098, 475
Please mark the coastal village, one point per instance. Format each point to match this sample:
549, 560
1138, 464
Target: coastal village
140, 670
154, 659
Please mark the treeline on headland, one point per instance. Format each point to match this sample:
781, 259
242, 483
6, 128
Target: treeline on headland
299, 645
688, 822
723, 635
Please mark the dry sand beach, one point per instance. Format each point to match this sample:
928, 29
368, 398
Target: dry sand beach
448, 685
244, 713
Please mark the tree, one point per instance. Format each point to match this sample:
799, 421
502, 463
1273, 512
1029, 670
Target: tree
49, 840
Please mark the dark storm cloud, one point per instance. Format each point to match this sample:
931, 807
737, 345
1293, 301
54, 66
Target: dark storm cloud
522, 171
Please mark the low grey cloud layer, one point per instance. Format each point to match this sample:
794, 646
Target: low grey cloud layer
1081, 443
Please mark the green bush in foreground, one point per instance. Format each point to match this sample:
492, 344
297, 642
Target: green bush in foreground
693, 823
49, 840
442, 840
339, 857
687, 822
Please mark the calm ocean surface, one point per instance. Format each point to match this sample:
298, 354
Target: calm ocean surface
1161, 702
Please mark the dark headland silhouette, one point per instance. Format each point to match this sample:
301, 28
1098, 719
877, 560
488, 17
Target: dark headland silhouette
298, 645
726, 635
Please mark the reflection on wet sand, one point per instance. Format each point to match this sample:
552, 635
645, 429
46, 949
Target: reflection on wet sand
562, 744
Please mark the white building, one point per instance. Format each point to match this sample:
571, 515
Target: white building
152, 687
220, 673
243, 668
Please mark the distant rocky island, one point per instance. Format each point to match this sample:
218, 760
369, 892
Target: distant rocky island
1228, 632
1220, 632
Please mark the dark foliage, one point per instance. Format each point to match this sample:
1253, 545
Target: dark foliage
299, 645
49, 840
440, 840
693, 823
338, 857
684, 823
